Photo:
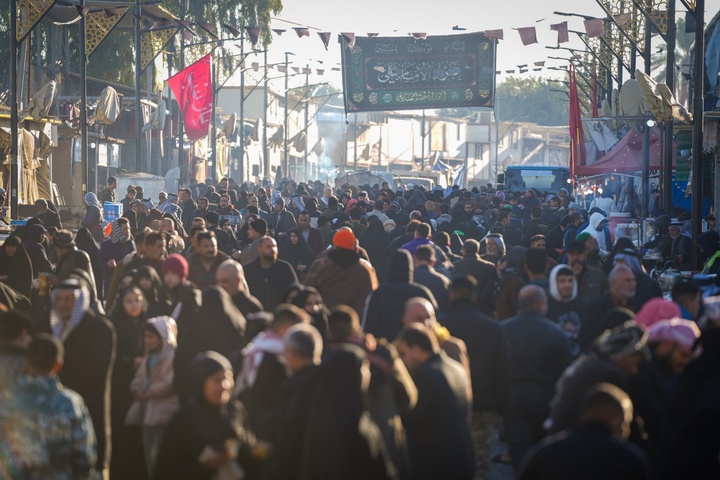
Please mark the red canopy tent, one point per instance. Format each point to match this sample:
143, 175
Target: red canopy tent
626, 156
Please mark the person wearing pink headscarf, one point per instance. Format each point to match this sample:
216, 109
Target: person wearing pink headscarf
672, 347
655, 310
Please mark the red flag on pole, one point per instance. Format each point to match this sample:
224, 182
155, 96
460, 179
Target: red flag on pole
594, 27
349, 38
253, 33
527, 35
302, 32
497, 34
562, 29
193, 90
325, 37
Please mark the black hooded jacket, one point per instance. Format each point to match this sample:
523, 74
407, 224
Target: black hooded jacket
386, 305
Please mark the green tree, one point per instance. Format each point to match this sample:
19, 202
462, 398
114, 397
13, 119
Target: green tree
532, 100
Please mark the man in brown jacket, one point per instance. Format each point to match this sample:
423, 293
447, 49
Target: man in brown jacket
341, 276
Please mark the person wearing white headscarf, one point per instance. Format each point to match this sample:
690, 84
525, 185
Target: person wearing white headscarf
89, 342
93, 218
565, 307
595, 229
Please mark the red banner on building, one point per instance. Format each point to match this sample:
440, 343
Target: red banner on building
193, 89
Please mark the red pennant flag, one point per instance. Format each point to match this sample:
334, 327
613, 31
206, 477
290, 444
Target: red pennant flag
320, 71
188, 35
419, 36
307, 71
296, 69
302, 32
371, 35
193, 90
253, 33
562, 29
498, 34
509, 71
208, 28
528, 35
282, 68
255, 66
594, 27
540, 64
278, 31
349, 39
325, 37
230, 28
624, 20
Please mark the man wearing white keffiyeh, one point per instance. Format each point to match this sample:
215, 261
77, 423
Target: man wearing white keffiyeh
89, 342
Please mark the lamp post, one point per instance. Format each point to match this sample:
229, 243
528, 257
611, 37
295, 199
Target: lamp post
138, 92
667, 170
698, 117
88, 180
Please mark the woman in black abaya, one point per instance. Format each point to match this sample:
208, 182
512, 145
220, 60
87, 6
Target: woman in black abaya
210, 434
295, 250
375, 240
343, 441
15, 268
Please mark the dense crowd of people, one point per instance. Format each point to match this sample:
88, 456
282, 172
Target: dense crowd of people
304, 332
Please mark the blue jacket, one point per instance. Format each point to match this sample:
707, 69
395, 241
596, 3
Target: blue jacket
50, 431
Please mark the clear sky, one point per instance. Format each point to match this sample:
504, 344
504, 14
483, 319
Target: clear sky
400, 17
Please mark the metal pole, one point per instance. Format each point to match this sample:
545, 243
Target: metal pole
698, 117
355, 135
422, 137
213, 124
138, 91
667, 168
266, 159
307, 114
645, 184
242, 110
285, 121
14, 130
181, 123
88, 184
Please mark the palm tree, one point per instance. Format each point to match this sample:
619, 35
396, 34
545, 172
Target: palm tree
683, 47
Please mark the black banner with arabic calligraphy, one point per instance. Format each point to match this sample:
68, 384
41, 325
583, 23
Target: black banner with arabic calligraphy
404, 73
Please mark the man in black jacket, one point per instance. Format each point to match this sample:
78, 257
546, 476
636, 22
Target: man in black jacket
598, 445
427, 276
264, 372
385, 306
189, 207
268, 277
483, 271
539, 352
437, 429
489, 364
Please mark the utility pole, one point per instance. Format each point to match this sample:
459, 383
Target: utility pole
87, 184
286, 162
307, 104
138, 92
242, 110
698, 117
266, 159
181, 123
213, 122
645, 183
14, 130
